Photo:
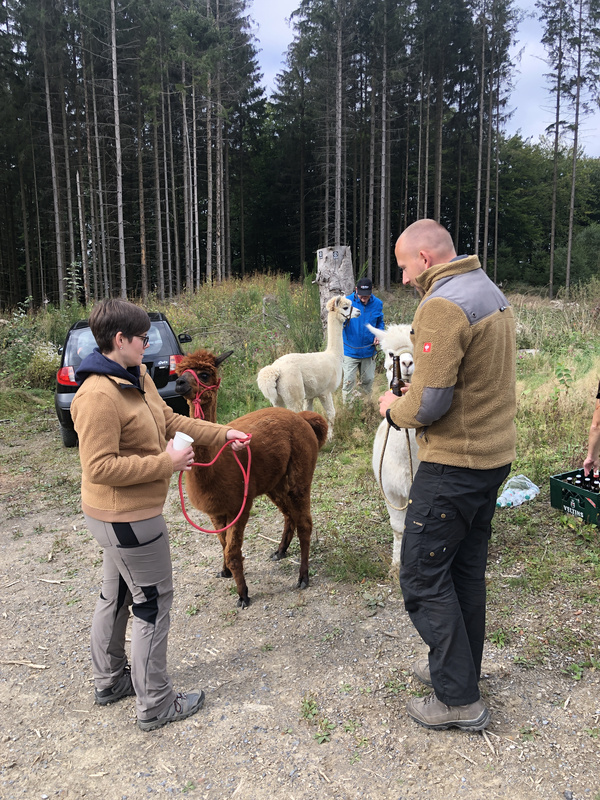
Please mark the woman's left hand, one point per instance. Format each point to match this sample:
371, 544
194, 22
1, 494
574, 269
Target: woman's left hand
240, 439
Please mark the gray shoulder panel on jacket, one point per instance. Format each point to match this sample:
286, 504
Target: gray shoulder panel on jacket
473, 292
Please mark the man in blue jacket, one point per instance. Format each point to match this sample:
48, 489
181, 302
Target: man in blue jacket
359, 343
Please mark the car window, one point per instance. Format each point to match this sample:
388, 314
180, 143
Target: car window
155, 343
81, 343
161, 342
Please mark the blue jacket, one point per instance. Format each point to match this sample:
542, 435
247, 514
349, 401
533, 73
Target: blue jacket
358, 339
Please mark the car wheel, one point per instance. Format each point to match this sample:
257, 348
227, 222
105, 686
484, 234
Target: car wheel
69, 437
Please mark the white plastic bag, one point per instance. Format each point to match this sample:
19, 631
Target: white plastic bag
517, 490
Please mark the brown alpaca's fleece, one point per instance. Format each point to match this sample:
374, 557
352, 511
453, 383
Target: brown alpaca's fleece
284, 450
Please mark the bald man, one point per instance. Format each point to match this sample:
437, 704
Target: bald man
462, 401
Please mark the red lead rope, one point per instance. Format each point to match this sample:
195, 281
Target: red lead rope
245, 473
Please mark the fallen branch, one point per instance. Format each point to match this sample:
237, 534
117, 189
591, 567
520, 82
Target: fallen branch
262, 536
25, 664
488, 742
466, 758
48, 580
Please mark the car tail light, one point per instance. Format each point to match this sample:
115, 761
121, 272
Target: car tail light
173, 361
66, 376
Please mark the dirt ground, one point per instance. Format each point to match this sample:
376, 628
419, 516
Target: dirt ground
305, 691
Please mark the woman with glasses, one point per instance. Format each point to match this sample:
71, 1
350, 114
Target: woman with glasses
126, 432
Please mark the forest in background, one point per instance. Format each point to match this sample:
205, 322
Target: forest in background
140, 156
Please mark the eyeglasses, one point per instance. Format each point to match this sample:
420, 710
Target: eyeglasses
145, 339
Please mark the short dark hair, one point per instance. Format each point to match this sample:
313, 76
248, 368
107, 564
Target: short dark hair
112, 315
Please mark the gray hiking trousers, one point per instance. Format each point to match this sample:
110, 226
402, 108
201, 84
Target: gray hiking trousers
136, 572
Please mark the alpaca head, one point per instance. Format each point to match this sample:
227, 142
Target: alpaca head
395, 341
198, 381
342, 308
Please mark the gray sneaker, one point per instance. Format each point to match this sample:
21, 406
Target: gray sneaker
122, 687
421, 671
184, 705
432, 713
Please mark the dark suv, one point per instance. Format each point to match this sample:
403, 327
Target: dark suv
160, 357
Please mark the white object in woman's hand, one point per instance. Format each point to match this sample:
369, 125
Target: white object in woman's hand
182, 459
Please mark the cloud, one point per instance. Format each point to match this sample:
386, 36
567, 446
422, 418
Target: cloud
531, 101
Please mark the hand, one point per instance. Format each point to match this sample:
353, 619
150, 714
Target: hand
592, 464
182, 459
239, 438
375, 340
386, 400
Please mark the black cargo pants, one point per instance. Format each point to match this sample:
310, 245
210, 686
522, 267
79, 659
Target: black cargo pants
442, 571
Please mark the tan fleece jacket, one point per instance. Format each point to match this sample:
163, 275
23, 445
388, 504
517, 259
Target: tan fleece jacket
462, 397
123, 433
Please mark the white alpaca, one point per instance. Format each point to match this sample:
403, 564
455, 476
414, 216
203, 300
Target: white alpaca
395, 470
294, 380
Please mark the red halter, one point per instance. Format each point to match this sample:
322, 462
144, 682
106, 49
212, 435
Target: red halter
198, 412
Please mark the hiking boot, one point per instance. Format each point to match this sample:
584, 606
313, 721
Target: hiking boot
183, 706
432, 713
421, 671
122, 687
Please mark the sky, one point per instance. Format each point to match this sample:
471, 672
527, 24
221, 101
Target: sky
530, 100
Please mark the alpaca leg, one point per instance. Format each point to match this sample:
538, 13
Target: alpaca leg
234, 559
288, 534
304, 534
308, 404
397, 521
395, 567
218, 523
329, 409
296, 510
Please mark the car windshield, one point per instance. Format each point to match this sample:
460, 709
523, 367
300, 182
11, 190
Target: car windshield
81, 343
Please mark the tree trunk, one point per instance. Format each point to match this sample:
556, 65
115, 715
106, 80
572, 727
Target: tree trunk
577, 103
173, 198
480, 143
338, 132
187, 198
383, 180
82, 236
196, 209
158, 212
371, 211
140, 165
166, 201
118, 156
100, 184
209, 184
60, 272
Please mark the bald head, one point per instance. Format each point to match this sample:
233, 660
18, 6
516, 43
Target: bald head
429, 235
423, 244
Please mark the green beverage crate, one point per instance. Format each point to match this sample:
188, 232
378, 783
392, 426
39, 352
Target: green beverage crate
574, 500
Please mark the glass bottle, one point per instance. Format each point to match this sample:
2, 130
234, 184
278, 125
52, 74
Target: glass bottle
396, 383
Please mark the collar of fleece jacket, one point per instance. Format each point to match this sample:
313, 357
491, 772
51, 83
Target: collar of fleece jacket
430, 276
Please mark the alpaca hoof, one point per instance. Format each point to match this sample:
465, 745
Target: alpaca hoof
277, 556
224, 573
243, 603
302, 583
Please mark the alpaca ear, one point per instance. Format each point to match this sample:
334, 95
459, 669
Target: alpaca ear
219, 359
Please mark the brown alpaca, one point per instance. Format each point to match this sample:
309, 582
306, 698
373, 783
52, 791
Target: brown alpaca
284, 450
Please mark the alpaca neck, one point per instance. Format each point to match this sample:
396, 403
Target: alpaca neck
334, 335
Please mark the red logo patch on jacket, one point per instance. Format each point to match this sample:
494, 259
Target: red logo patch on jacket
427, 347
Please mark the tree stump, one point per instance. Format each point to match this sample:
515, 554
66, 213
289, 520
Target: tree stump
335, 275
